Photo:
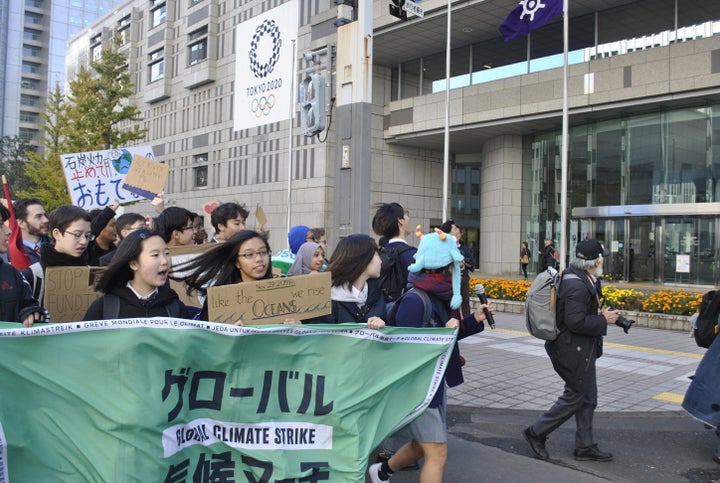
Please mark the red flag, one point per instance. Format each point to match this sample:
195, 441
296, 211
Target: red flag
16, 250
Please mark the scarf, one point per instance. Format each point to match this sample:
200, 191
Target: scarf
437, 284
49, 257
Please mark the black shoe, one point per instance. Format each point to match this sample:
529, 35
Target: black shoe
592, 453
537, 443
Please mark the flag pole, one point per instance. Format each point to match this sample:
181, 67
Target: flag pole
446, 151
290, 138
565, 143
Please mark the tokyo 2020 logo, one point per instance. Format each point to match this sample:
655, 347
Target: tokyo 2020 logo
270, 28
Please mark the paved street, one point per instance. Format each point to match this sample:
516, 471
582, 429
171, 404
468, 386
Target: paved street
642, 378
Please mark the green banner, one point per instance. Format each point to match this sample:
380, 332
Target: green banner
172, 400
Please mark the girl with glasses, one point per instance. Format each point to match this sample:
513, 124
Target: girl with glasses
71, 234
244, 257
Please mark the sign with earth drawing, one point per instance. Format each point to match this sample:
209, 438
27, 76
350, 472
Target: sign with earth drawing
95, 178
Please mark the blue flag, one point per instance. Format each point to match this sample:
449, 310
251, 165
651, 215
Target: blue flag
529, 15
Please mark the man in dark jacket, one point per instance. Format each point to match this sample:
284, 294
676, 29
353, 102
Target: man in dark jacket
574, 352
547, 256
16, 301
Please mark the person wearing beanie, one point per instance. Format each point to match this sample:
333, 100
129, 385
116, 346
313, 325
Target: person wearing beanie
574, 353
436, 272
466, 266
296, 237
284, 259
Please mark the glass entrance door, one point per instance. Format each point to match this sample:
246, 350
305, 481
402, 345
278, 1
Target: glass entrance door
640, 250
690, 251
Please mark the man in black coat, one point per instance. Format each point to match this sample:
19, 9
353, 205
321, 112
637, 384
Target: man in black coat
574, 352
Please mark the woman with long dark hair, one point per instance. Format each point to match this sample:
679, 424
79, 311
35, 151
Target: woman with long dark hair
135, 282
244, 257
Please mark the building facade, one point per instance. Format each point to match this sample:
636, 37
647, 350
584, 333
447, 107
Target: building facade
643, 94
33, 39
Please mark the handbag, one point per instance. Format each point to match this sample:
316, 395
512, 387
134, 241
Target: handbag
524, 259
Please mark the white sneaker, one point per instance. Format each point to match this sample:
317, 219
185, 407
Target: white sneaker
373, 473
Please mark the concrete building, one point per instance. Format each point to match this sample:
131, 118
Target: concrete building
644, 98
33, 39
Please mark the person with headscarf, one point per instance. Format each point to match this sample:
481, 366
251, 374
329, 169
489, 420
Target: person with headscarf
310, 258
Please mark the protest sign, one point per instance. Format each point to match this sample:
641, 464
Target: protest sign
95, 178
146, 177
69, 291
271, 301
168, 399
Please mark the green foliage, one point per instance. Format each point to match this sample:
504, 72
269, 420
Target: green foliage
45, 168
95, 115
14, 152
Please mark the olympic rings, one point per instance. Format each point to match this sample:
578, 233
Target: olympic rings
263, 106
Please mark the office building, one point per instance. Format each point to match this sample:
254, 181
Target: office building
643, 97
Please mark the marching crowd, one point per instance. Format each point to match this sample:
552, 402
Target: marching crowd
433, 292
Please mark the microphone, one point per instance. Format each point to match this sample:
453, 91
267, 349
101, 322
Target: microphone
480, 292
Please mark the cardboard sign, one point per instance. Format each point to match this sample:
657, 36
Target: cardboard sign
69, 291
271, 301
181, 255
260, 215
95, 178
146, 177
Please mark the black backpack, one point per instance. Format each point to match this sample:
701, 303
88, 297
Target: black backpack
393, 275
111, 307
705, 327
427, 319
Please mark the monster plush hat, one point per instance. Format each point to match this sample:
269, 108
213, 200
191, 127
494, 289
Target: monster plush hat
438, 250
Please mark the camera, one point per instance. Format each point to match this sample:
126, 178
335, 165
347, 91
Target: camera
622, 322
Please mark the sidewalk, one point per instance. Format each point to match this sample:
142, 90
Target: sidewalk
506, 368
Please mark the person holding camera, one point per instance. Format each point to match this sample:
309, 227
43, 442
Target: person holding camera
574, 352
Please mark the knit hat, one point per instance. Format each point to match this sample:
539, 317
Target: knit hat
296, 237
438, 250
590, 250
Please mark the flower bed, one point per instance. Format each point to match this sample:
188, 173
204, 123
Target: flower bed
662, 309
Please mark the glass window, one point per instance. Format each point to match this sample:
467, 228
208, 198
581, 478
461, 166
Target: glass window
28, 116
29, 51
686, 168
30, 34
198, 52
27, 134
30, 67
33, 18
28, 100
29, 83
201, 176
159, 15
644, 153
157, 65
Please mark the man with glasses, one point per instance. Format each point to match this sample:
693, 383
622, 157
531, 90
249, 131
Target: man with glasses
71, 234
176, 226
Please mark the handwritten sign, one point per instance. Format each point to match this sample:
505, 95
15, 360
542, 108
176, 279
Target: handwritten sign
271, 301
69, 291
95, 178
180, 256
146, 177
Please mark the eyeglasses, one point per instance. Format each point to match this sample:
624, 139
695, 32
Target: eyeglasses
191, 227
78, 235
253, 255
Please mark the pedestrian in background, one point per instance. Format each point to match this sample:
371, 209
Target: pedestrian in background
524, 258
574, 352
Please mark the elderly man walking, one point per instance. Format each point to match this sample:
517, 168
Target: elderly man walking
574, 352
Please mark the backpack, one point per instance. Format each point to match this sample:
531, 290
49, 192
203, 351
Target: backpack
705, 326
111, 307
540, 304
393, 274
392, 308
